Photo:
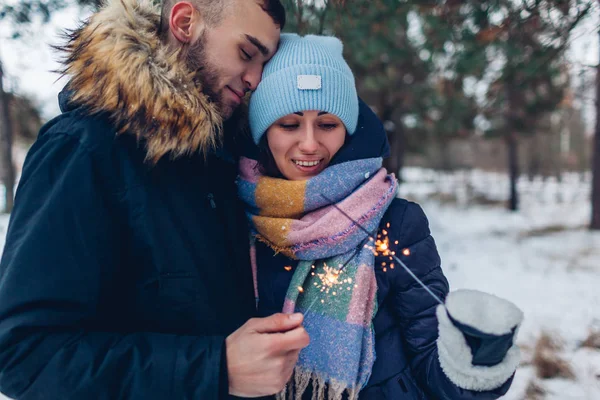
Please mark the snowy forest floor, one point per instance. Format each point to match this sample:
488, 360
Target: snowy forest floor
542, 258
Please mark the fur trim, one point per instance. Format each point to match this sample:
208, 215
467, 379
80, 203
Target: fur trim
456, 359
486, 312
118, 64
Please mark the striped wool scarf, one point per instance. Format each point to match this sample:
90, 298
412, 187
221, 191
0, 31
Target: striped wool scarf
297, 218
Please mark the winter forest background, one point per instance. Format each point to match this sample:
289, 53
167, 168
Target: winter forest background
491, 112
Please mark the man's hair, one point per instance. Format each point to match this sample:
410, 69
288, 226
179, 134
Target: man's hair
213, 11
276, 11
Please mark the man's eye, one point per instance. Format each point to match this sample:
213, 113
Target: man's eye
246, 56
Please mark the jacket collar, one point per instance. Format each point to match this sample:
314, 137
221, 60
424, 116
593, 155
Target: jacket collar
118, 65
368, 141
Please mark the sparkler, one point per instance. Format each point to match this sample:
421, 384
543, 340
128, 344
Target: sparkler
330, 280
384, 248
381, 246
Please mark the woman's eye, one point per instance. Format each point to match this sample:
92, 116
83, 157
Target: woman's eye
328, 127
289, 127
245, 55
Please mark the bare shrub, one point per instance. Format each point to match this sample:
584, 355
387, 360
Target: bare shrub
534, 391
593, 340
548, 230
547, 361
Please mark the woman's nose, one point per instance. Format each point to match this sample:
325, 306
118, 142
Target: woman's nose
308, 142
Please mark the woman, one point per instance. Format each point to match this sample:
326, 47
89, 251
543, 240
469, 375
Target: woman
313, 197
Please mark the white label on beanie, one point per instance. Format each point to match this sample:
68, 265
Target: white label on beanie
309, 82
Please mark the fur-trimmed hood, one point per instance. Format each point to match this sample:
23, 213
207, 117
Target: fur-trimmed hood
118, 65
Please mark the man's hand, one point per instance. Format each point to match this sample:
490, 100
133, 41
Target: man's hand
262, 354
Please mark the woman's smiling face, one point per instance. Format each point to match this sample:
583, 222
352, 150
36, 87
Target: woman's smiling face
303, 143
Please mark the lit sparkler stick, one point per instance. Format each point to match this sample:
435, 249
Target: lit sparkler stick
392, 254
310, 306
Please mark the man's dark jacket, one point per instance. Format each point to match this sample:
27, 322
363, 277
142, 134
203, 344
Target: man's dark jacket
124, 269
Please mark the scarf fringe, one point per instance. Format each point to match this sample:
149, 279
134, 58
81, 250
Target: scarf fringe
286, 251
321, 389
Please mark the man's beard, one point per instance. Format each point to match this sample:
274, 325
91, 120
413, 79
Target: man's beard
207, 75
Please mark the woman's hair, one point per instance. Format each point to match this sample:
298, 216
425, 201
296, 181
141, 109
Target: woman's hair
266, 162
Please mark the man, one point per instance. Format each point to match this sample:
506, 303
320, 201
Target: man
125, 273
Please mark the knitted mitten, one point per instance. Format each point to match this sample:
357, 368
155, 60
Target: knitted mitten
476, 339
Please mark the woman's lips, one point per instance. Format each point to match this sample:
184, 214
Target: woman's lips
308, 165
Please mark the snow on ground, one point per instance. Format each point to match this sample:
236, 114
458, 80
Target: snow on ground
541, 258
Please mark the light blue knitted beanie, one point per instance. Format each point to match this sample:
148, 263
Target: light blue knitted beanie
306, 73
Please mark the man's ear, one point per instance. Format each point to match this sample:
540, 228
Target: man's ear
185, 22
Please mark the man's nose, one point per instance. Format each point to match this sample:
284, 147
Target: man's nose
253, 76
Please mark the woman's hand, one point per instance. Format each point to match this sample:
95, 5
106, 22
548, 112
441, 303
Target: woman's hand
476, 339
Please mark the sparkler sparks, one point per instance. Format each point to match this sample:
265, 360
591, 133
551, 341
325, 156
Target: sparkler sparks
329, 279
382, 246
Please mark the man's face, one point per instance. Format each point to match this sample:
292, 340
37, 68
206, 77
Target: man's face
229, 57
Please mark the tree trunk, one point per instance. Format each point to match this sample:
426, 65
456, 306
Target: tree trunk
595, 223
397, 140
395, 161
513, 168
511, 137
444, 162
300, 18
7, 169
534, 162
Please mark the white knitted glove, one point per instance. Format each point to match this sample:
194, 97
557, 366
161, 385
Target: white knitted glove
476, 339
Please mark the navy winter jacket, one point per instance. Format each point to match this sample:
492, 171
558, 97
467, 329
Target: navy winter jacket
120, 280
126, 263
406, 365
